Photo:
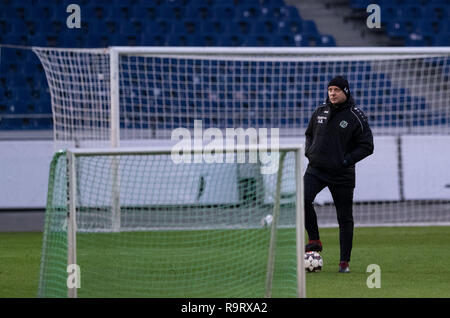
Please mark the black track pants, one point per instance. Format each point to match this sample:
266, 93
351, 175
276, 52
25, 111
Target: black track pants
343, 200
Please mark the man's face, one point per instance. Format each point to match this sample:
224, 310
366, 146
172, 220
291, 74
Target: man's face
336, 95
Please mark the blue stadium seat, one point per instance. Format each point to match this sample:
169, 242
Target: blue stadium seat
267, 12
204, 40
415, 41
288, 27
325, 40
14, 12
230, 40
171, 10
17, 26
266, 26
211, 26
437, 12
14, 39
425, 27
441, 40
185, 27
256, 40
155, 27
301, 40
195, 11
309, 27
95, 11
176, 39
388, 12
397, 29
231, 27
360, 4
290, 12
127, 27
245, 26
145, 11
96, 40
223, 12
247, 12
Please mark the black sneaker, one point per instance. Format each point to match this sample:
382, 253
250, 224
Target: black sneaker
313, 246
344, 267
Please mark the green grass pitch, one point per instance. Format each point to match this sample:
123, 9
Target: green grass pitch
414, 262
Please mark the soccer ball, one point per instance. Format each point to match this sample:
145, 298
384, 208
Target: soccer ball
313, 262
267, 220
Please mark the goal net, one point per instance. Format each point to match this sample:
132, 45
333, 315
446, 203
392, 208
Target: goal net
128, 96
136, 223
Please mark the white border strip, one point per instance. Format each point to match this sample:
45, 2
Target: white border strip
259, 50
168, 150
284, 50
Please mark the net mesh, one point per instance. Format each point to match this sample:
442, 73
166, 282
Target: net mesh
402, 94
186, 230
405, 97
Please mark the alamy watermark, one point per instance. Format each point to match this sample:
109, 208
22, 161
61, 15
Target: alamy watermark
74, 276
74, 19
374, 19
219, 148
374, 279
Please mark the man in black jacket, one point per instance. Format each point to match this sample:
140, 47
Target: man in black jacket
338, 136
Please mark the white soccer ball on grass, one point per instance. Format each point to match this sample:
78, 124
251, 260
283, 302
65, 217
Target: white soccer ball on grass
313, 262
267, 220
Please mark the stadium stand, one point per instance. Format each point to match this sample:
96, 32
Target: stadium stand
24, 97
411, 23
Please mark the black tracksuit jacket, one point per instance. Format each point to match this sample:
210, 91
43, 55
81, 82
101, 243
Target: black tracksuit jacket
337, 137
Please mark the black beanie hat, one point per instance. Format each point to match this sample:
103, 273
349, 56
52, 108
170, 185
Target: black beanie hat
342, 83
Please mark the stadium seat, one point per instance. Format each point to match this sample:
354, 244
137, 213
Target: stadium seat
437, 12
212, 27
288, 27
171, 11
17, 26
247, 12
155, 27
96, 40
265, 26
309, 27
15, 39
301, 40
195, 11
360, 4
441, 40
290, 12
325, 40
221, 12
14, 12
178, 40
389, 12
144, 11
397, 29
185, 27
425, 27
257, 40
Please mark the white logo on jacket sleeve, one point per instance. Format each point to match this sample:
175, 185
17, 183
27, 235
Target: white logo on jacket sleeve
320, 119
343, 124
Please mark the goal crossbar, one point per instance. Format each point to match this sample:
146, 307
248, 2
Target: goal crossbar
167, 150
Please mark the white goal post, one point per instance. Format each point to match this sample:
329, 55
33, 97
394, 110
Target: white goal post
159, 210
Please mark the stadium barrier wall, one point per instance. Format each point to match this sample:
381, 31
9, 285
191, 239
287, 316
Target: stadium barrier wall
384, 176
